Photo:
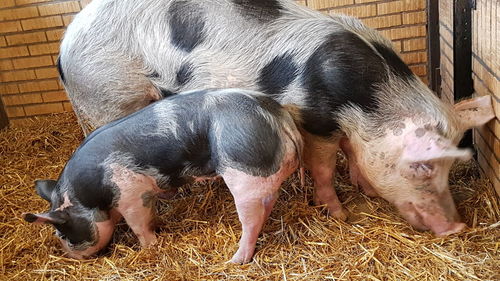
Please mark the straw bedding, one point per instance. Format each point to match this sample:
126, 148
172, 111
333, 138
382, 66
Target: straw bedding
199, 229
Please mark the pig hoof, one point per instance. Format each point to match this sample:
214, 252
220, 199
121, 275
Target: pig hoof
340, 214
240, 259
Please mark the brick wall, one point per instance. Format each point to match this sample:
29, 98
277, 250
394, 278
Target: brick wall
402, 21
30, 31
486, 71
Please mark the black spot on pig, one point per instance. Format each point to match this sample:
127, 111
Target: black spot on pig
428, 127
262, 10
394, 62
247, 151
154, 74
77, 229
420, 132
59, 69
85, 176
186, 23
343, 70
166, 93
184, 74
277, 74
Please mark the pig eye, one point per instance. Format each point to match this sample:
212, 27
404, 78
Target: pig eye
421, 170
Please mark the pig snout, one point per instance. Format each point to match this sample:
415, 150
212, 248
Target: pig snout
438, 215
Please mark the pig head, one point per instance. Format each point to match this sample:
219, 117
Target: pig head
408, 165
81, 232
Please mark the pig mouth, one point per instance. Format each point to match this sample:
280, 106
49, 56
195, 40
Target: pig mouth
423, 219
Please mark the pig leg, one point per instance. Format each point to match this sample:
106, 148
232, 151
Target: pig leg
354, 173
320, 158
140, 220
254, 198
136, 202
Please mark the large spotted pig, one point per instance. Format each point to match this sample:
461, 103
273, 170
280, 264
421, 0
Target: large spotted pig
349, 84
243, 136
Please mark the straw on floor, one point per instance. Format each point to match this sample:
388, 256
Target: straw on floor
199, 229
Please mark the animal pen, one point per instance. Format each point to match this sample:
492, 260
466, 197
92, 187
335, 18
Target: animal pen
451, 45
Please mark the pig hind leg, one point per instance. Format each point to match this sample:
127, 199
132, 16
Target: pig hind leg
254, 198
320, 158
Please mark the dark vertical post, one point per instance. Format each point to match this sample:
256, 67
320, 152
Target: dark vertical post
4, 120
433, 45
462, 56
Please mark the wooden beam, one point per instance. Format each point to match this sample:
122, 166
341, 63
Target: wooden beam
463, 86
433, 45
4, 120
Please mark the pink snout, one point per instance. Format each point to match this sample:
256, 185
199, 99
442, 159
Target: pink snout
439, 220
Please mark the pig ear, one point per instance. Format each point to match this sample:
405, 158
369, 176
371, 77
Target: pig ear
56, 217
44, 188
474, 112
430, 147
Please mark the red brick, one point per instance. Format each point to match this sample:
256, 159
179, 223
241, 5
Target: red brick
415, 17
36, 86
45, 108
26, 38
362, 11
17, 75
40, 23
6, 89
55, 35
32, 62
415, 44
6, 64
46, 72
7, 3
22, 99
383, 21
325, 4
59, 8
43, 49
15, 111
54, 96
10, 26
18, 13
404, 32
400, 6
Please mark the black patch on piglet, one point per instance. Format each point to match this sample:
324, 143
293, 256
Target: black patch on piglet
277, 74
76, 229
262, 10
186, 23
343, 70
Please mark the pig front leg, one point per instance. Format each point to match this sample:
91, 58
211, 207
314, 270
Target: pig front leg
320, 158
137, 195
355, 175
140, 219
